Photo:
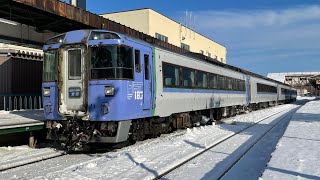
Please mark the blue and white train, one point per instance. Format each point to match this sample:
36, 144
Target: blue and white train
102, 86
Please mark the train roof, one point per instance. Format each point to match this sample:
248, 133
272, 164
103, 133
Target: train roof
207, 59
190, 54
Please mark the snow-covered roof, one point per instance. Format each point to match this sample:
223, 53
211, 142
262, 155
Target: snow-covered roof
281, 76
21, 52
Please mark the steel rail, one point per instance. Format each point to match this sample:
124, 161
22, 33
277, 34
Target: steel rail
290, 113
4, 167
225, 139
62, 153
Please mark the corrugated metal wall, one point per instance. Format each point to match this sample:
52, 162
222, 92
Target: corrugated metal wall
5, 76
20, 83
20, 76
26, 76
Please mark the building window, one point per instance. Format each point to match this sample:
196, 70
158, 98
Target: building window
162, 37
185, 46
209, 54
201, 52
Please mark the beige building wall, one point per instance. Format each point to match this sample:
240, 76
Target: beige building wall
151, 22
138, 20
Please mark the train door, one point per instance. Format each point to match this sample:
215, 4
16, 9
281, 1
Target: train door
278, 92
147, 80
71, 89
248, 89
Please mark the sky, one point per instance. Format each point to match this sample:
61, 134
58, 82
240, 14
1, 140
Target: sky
263, 36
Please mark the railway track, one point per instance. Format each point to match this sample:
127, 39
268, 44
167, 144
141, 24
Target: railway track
30, 160
59, 154
187, 160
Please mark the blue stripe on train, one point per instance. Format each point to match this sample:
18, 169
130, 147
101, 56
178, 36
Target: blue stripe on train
182, 90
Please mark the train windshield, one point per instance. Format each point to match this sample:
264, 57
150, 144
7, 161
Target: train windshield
50, 66
111, 62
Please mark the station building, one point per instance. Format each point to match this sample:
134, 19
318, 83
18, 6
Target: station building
306, 83
161, 27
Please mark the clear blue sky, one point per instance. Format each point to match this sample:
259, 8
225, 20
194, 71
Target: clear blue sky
260, 35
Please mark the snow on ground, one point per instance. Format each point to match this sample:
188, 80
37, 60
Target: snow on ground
213, 163
297, 155
20, 155
148, 158
306, 98
9, 118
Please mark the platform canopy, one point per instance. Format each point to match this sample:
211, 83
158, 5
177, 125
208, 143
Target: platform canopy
57, 16
52, 15
315, 81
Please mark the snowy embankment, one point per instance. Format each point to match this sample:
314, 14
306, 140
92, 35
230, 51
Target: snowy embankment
243, 156
297, 155
306, 98
149, 158
21, 155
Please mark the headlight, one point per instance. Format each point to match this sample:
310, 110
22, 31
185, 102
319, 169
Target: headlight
109, 90
46, 92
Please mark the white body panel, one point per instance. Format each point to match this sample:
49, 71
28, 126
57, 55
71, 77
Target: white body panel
281, 96
168, 103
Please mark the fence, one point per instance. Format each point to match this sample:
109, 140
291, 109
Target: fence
10, 102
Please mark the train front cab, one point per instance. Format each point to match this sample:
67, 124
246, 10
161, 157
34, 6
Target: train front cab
101, 83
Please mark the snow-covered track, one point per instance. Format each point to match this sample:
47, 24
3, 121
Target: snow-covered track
183, 162
30, 158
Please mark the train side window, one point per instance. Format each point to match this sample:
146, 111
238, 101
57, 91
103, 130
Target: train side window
199, 79
171, 75
146, 67
188, 77
202, 79
137, 60
229, 85
215, 81
211, 82
243, 85
205, 80
222, 83
236, 85
266, 88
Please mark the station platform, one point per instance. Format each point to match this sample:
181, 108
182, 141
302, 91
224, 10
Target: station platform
15, 122
297, 155
21, 121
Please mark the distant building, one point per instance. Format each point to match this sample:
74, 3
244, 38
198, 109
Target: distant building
79, 3
161, 27
304, 82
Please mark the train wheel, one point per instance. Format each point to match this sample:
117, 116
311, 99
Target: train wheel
217, 114
138, 133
